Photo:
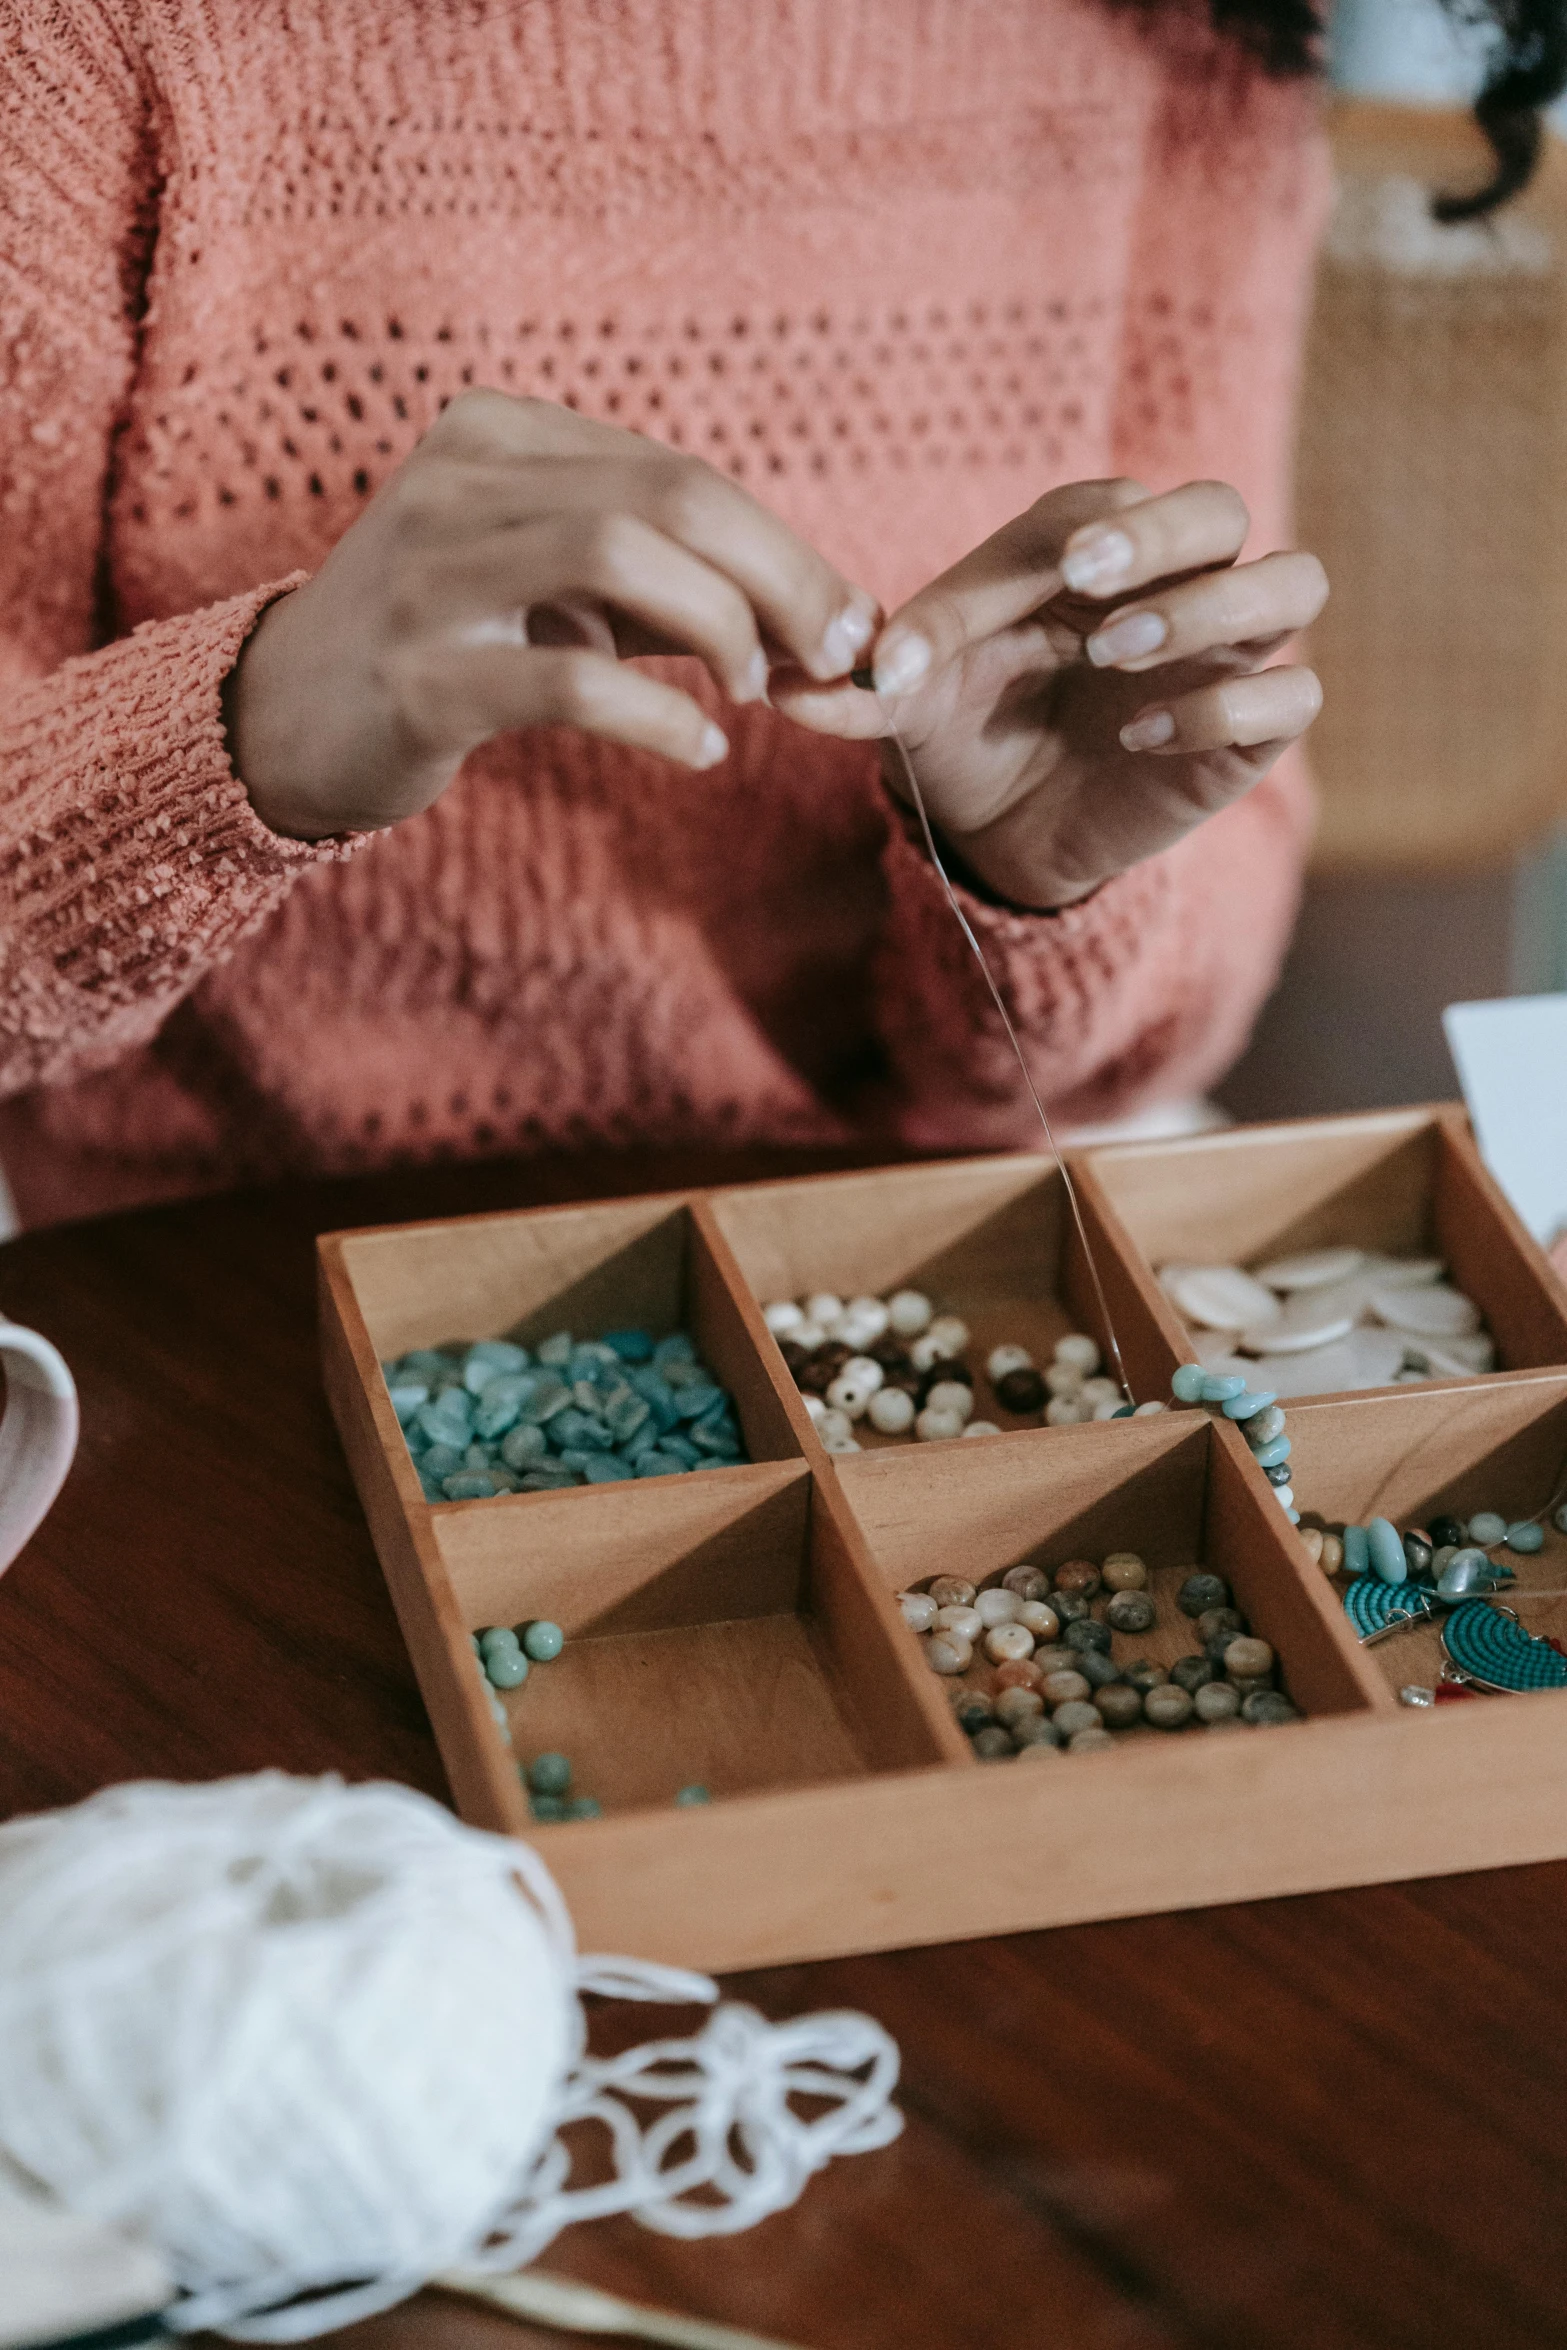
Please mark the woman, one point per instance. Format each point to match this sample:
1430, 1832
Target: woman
377, 377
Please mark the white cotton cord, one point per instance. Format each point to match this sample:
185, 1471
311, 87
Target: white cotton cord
317, 2045
1013, 1040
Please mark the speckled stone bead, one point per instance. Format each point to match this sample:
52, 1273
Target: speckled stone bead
1248, 1660
1525, 1537
1357, 1550
967, 1622
1086, 1633
543, 1641
1005, 1642
1120, 1705
996, 1605
1417, 1551
972, 1707
1168, 1708
1097, 1669
1265, 1428
549, 1774
1220, 1619
952, 1591
993, 1744
1055, 1657
1446, 1531
1038, 1617
1130, 1611
918, 1610
1188, 1383
1021, 1391
1487, 1529
1070, 1606
1192, 1673
1077, 1714
1385, 1550
1078, 1578
1201, 1591
1144, 1675
1027, 1581
1060, 1689
949, 1652
1035, 1734
1266, 1708
1019, 1672
1088, 1741
1216, 1701
1123, 1570
1017, 1705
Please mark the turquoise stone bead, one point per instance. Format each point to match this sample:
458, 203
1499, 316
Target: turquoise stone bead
547, 1480
1247, 1406
676, 1348
442, 1460
695, 1793
721, 1442
1271, 1456
546, 1807
1487, 1529
555, 1350
447, 1418
549, 1774
1124, 1411
603, 1468
1264, 1427
479, 1456
1467, 1572
500, 1403
488, 1360
1526, 1537
1220, 1386
1385, 1548
407, 1396
1357, 1550
659, 1464
505, 1668
543, 1641
632, 1346
584, 1807
684, 1451
1189, 1382
625, 1413
524, 1446
579, 1431
547, 1397
424, 1362
497, 1636
697, 1397
467, 1485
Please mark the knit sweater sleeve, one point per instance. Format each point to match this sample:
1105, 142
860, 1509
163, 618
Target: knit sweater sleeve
130, 858
1150, 987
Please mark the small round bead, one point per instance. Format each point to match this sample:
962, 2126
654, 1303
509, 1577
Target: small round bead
543, 1641
1120, 1705
808, 1336
1200, 1591
549, 1774
1086, 1632
1069, 1605
834, 1424
1021, 1673
1008, 1641
949, 1334
824, 1309
908, 1312
1079, 1576
1078, 1350
782, 1318
1096, 1668
1446, 1531
546, 1807
952, 1591
851, 1395
1312, 1538
871, 1311
1144, 1674
1123, 1570
1063, 1379
1216, 1701
1101, 1391
1487, 1529
942, 1374
1063, 1689
1168, 1708
1040, 1619
1187, 1385
1525, 1537
816, 1409
1192, 1673
973, 1707
919, 1610
967, 1622
1037, 1733
1002, 1359
1077, 1714
1021, 1391
1266, 1707
1028, 1582
1149, 1410
505, 1668
1248, 1660
938, 1427
497, 1636
695, 1793
1064, 1411
996, 1605
1332, 1559
951, 1395
1088, 1741
949, 1652
1219, 1619
1015, 1705
982, 1428
1055, 1659
994, 1744
1130, 1611
839, 1444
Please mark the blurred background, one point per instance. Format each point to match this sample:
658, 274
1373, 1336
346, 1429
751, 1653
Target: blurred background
1432, 462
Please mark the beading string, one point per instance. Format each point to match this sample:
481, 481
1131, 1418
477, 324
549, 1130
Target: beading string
997, 999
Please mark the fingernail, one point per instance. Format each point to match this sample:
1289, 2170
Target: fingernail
1126, 638
713, 747
846, 636
1147, 732
1096, 558
755, 689
901, 662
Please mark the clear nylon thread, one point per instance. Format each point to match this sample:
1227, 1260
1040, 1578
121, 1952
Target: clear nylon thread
978, 953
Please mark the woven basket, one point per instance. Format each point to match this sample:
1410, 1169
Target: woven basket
1433, 483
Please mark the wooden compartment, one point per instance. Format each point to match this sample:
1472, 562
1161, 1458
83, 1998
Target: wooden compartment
1399, 1181
1417, 1454
992, 1240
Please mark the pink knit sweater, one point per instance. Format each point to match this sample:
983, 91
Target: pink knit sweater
898, 267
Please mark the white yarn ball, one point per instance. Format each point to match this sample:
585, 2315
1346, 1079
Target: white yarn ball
292, 2033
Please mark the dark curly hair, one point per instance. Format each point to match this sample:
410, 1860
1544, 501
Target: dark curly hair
1526, 69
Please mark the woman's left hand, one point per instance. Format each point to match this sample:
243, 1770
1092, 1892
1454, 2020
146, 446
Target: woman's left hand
1087, 686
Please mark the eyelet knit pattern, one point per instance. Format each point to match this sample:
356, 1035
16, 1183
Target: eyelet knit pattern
898, 272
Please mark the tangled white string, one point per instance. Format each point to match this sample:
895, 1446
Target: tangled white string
319, 2043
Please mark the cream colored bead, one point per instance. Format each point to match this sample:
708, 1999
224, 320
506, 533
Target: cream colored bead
783, 1318
1036, 1616
866, 1369
925, 1353
909, 1312
948, 1652
834, 1424
1002, 1359
1123, 1570
1312, 1538
1080, 1351
937, 1427
967, 1622
1064, 1411
1064, 1379
950, 1334
996, 1605
808, 1334
1146, 1411
1008, 1642
891, 1410
854, 1330
1332, 1554
919, 1610
1100, 1391
824, 1308
848, 1395
1106, 1408
982, 1428
816, 1408
869, 1310
950, 1395
841, 1444
952, 1591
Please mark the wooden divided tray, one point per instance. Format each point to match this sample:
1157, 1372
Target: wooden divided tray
740, 1627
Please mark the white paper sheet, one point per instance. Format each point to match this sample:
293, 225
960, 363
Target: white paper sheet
1511, 1057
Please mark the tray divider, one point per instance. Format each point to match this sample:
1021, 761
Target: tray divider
1151, 1337
483, 1779
1475, 1218
731, 1296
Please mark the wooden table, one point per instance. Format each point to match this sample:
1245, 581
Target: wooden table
1322, 2122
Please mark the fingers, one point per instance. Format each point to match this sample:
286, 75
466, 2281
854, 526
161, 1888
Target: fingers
1251, 604
1000, 583
1260, 713
610, 559
1189, 529
452, 698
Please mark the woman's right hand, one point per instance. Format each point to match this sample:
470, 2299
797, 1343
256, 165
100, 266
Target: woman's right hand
358, 696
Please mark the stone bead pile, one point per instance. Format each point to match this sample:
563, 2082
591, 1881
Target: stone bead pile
1057, 1680
498, 1418
1450, 1558
1329, 1319
895, 1365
